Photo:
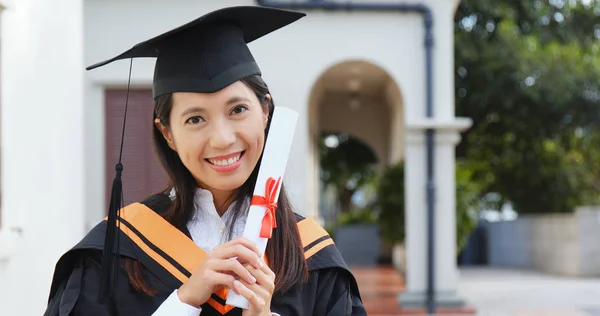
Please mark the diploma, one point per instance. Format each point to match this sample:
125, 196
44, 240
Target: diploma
261, 215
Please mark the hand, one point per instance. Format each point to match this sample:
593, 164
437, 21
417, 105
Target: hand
257, 293
219, 270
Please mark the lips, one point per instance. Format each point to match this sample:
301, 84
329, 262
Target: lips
227, 160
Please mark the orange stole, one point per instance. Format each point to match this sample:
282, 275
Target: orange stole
184, 251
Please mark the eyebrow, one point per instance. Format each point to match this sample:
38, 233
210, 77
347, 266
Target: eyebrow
192, 110
237, 99
229, 102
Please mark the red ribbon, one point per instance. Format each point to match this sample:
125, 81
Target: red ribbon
268, 222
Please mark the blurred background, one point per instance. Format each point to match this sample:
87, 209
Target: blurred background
509, 88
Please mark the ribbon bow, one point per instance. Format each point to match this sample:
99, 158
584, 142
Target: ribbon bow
268, 222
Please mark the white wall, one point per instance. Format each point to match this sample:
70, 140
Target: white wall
42, 145
394, 100
291, 60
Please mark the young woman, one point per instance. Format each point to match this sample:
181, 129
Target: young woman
174, 250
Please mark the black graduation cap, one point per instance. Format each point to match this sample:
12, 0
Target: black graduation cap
209, 53
204, 55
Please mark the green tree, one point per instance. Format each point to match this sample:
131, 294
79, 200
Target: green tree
528, 74
347, 164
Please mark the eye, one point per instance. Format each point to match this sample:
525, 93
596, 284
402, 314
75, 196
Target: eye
239, 109
195, 120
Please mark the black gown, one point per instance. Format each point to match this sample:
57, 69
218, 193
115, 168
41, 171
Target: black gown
168, 255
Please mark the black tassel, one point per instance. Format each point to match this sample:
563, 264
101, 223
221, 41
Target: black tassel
110, 253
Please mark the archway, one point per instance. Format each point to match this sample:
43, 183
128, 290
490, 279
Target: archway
360, 99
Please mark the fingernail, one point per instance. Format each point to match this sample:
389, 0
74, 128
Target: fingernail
251, 278
259, 263
236, 284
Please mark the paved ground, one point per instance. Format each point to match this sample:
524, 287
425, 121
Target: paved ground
491, 292
497, 292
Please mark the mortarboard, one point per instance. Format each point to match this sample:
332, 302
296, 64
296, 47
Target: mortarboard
205, 56
209, 53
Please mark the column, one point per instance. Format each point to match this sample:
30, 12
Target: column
42, 154
446, 274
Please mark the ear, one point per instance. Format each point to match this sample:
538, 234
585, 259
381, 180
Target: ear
266, 110
166, 132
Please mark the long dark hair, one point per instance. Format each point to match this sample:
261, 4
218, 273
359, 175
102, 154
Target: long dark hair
285, 253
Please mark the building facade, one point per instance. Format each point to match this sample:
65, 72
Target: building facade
359, 72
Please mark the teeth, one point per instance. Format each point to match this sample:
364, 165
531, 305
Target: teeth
225, 162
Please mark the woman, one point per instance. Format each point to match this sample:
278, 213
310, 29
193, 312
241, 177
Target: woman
174, 250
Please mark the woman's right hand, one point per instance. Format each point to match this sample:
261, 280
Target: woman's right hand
219, 270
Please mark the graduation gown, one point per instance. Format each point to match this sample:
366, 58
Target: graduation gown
169, 256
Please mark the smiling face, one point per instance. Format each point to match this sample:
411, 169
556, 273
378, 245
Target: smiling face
219, 137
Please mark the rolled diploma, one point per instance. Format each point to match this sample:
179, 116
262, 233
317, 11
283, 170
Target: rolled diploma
273, 164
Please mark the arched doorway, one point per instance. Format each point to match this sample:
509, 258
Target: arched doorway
360, 100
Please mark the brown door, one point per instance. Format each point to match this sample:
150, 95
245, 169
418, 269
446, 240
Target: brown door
142, 173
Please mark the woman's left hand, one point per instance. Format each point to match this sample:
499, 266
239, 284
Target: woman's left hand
259, 293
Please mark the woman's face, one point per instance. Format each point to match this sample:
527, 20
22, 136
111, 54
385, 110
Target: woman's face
218, 136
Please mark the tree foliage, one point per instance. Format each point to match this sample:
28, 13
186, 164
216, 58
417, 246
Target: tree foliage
346, 164
528, 74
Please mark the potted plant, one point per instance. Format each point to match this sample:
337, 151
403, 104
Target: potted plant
390, 203
357, 237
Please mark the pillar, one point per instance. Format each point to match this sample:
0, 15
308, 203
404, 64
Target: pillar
446, 274
42, 153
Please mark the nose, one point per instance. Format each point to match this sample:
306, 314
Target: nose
222, 134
